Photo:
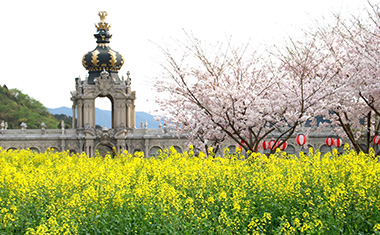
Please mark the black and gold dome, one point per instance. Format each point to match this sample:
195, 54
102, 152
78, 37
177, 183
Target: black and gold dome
102, 57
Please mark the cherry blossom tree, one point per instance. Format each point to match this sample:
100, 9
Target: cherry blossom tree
355, 44
220, 92
223, 92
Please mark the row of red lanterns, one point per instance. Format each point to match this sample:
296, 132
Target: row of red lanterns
301, 140
336, 142
273, 144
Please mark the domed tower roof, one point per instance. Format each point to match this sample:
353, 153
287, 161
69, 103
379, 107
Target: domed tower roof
102, 57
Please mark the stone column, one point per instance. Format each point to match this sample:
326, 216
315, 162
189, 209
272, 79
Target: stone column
120, 116
133, 117
80, 149
63, 144
73, 119
128, 117
80, 114
89, 113
116, 116
146, 147
90, 147
120, 145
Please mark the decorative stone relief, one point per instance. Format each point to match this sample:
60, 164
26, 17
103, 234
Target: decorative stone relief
89, 130
104, 84
121, 130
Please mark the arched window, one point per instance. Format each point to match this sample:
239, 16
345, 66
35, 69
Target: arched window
308, 148
154, 151
53, 149
34, 150
103, 150
12, 149
324, 149
290, 149
232, 149
178, 149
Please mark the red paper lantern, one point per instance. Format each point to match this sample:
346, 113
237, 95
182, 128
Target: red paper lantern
283, 145
338, 142
272, 144
301, 139
265, 145
329, 141
376, 139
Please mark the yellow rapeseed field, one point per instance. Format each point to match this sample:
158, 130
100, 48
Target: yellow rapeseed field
175, 193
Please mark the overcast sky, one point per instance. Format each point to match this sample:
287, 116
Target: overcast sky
43, 41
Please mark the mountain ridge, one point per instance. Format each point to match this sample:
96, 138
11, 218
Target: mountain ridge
17, 108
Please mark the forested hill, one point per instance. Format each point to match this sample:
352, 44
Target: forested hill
16, 107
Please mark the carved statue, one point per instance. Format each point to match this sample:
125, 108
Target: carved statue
2, 129
43, 128
128, 81
23, 126
78, 81
104, 74
73, 93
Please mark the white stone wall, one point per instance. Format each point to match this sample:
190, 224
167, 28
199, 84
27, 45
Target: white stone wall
146, 140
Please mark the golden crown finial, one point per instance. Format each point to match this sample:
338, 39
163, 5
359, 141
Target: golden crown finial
102, 15
102, 24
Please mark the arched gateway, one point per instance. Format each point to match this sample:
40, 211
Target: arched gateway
103, 80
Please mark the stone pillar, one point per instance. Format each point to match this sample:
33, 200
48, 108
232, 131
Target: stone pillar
123, 115
73, 119
146, 147
116, 116
128, 117
81, 144
80, 114
90, 147
120, 145
63, 144
89, 113
133, 117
